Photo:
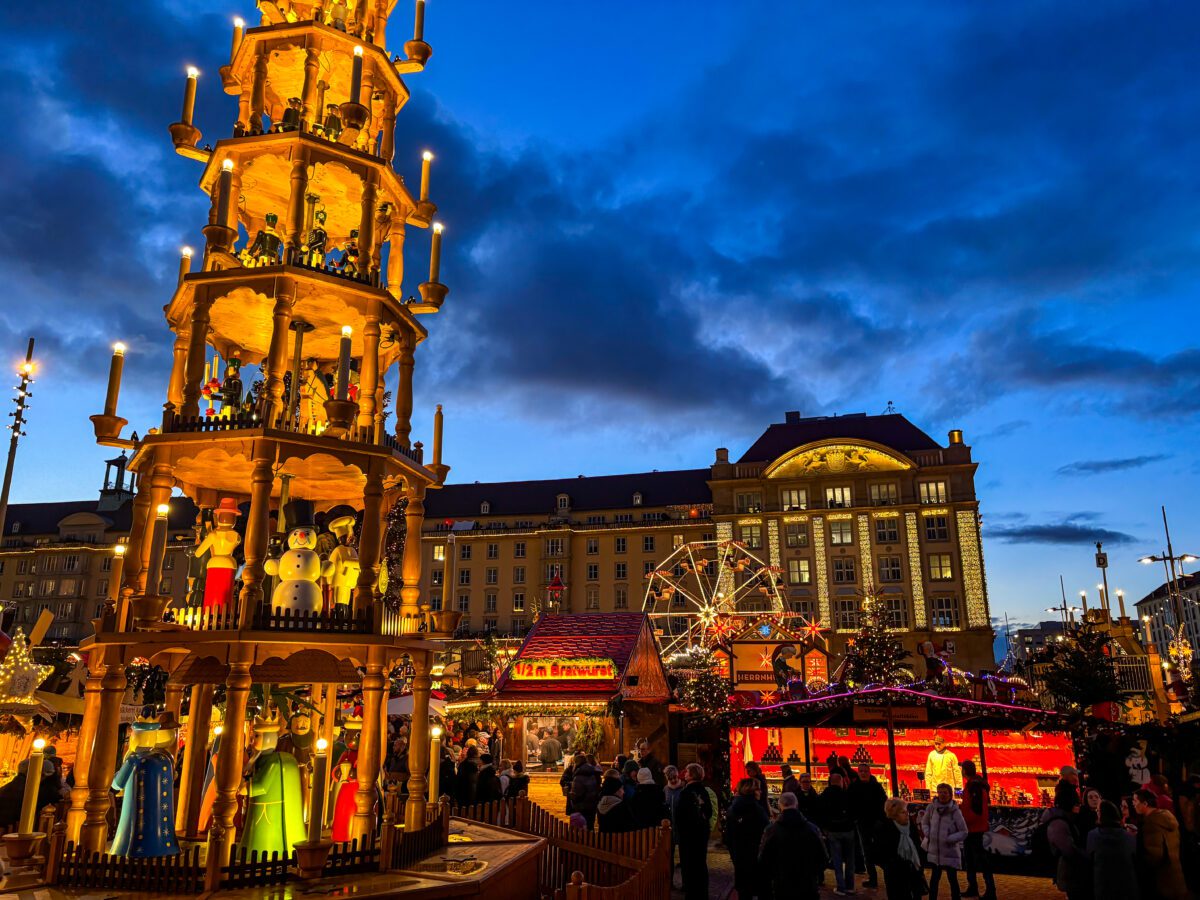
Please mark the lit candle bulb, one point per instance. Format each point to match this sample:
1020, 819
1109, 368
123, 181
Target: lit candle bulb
116, 367
435, 253
343, 377
239, 30
224, 189
33, 780
426, 159
189, 95
316, 806
419, 24
185, 262
435, 761
356, 76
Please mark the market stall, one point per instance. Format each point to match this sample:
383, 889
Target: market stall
593, 682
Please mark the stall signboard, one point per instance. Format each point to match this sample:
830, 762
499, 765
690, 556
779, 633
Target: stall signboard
563, 669
766, 657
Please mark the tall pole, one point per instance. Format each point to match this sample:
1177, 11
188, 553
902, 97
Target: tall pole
23, 395
1174, 582
1102, 562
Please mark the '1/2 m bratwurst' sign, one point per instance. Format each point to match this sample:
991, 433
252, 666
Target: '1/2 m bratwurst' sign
563, 669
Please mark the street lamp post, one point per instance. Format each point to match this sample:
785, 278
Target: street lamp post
18, 417
1179, 648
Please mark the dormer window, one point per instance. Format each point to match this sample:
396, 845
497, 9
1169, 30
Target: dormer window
485, 508
563, 502
637, 498
16, 528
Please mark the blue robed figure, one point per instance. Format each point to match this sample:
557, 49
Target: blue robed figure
147, 779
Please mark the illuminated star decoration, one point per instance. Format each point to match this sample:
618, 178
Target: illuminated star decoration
813, 629
20, 675
764, 659
768, 697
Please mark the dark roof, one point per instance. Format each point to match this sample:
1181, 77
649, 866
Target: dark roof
510, 498
578, 636
1186, 582
43, 518
891, 430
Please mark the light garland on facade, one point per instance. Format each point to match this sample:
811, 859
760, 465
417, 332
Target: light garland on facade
818, 537
773, 555
972, 568
914, 572
936, 511
835, 517
789, 520
725, 576
864, 552
886, 514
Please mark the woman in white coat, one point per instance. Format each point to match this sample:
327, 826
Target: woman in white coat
945, 830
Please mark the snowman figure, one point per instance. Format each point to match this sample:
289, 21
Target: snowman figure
299, 568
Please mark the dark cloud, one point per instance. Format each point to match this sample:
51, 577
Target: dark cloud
1069, 532
1102, 466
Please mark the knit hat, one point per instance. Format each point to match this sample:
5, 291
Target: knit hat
645, 776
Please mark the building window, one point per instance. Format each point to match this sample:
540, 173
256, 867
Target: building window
485, 508
845, 614
518, 574
105, 564
518, 602
69, 586
749, 502
840, 532
936, 528
22, 566
623, 518
798, 571
887, 531
439, 554
18, 589
435, 602
464, 551
838, 497
637, 498
884, 494
489, 603
678, 599
897, 611
489, 624
804, 606
843, 570
102, 587
793, 498
889, 569
795, 534
554, 546
647, 566
519, 550
524, 523
945, 612
491, 576
595, 520
518, 624
593, 598
464, 603
648, 543
493, 551
939, 567
563, 502
620, 545
932, 491
437, 576
653, 516
464, 577
15, 529
621, 598
593, 572
553, 569
593, 546
47, 587
621, 571
750, 535
71, 563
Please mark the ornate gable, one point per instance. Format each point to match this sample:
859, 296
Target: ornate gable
836, 458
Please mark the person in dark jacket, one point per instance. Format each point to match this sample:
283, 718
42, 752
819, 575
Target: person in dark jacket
791, 858
838, 824
1113, 851
447, 777
649, 804
753, 770
585, 790
976, 859
647, 760
1073, 874
466, 778
867, 797
808, 800
693, 814
895, 844
487, 782
613, 811
629, 778
518, 781
745, 822
790, 784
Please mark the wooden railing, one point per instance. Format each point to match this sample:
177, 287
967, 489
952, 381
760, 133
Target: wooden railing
402, 849
75, 867
249, 868
652, 881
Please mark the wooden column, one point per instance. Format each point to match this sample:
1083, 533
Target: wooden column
374, 685
258, 535
310, 112
366, 224
418, 740
179, 354
161, 482
285, 297
229, 759
258, 91
414, 519
369, 371
196, 360
395, 262
195, 761
84, 745
404, 394
369, 539
295, 224
139, 529
379, 417
94, 833
387, 146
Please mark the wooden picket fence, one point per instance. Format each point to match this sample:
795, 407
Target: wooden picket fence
75, 867
249, 868
652, 881
402, 849
351, 859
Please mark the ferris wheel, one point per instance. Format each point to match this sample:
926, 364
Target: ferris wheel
707, 591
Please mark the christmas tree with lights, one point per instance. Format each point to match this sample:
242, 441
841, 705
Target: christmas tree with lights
876, 656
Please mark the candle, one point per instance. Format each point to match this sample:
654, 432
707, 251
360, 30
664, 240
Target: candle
426, 159
189, 95
435, 253
239, 29
435, 761
356, 76
437, 436
114, 582
343, 376
419, 25
33, 780
114, 379
224, 188
185, 262
216, 372
1146, 625
158, 549
316, 793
